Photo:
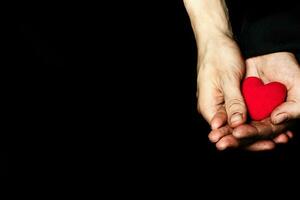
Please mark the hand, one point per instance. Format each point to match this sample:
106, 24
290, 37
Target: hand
220, 71
281, 67
256, 136
220, 64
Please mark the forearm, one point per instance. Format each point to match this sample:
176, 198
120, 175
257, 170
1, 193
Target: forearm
209, 19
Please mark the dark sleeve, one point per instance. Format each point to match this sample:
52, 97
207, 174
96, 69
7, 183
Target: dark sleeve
270, 28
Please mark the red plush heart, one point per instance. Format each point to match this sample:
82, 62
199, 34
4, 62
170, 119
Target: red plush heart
262, 99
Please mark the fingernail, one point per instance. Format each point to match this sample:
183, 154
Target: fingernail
236, 133
221, 146
236, 118
280, 118
215, 125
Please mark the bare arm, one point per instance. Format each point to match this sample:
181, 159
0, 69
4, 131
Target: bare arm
209, 19
220, 71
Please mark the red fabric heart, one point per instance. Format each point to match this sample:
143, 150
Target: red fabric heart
262, 99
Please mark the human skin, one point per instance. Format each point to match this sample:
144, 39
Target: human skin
220, 64
282, 67
221, 69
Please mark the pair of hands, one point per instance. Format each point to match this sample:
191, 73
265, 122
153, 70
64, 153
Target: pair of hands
221, 69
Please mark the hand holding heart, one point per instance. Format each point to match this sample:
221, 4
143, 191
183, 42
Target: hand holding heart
261, 100
221, 70
284, 68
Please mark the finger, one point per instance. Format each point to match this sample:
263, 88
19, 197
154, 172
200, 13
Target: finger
262, 145
226, 142
286, 111
244, 131
209, 102
282, 138
215, 135
263, 130
251, 67
290, 134
230, 141
219, 119
234, 104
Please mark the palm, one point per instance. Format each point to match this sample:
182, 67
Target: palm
280, 67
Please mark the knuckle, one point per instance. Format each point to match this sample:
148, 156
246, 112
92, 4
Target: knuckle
234, 105
232, 78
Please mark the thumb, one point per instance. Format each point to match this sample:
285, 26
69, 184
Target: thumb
234, 104
286, 111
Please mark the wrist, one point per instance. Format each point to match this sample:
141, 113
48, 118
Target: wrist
215, 42
210, 31
220, 53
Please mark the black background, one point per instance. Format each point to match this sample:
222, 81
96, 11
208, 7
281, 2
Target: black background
4, 163
121, 85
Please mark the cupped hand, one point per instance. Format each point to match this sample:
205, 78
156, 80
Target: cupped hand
220, 71
263, 135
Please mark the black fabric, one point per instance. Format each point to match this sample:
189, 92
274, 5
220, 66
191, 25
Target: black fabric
262, 29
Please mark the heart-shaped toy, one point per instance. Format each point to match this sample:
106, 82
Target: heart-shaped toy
261, 99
